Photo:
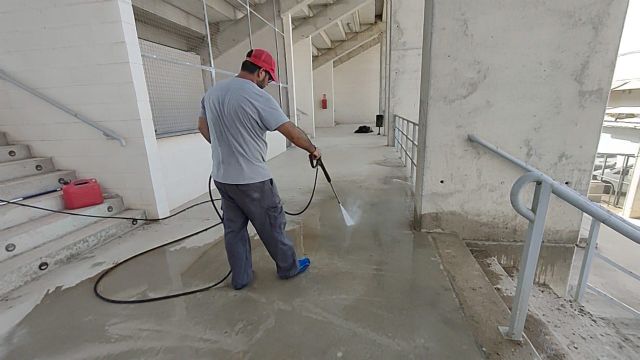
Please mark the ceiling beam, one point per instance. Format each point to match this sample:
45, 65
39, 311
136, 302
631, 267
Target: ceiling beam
343, 33
233, 34
306, 10
350, 44
325, 18
224, 8
356, 21
293, 6
357, 51
171, 13
325, 38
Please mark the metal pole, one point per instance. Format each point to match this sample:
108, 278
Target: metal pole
388, 113
275, 33
621, 178
206, 25
529, 261
413, 152
291, 83
589, 252
249, 20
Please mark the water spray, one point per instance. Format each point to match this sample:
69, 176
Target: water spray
347, 219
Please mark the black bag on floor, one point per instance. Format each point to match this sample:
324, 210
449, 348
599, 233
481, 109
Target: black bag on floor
364, 129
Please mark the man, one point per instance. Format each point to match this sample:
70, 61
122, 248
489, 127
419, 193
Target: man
235, 116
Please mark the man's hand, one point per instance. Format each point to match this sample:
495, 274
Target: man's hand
316, 154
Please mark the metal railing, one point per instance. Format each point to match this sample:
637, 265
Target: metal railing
615, 177
536, 215
105, 131
406, 139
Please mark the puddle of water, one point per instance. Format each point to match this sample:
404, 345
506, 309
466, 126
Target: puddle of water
176, 269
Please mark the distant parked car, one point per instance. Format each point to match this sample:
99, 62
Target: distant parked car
611, 176
611, 163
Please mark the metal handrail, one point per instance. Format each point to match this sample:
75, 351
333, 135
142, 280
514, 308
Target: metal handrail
614, 221
408, 138
408, 145
405, 119
105, 131
536, 215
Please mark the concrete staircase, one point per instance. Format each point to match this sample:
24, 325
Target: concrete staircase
32, 241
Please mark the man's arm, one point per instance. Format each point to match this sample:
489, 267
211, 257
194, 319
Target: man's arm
299, 138
204, 128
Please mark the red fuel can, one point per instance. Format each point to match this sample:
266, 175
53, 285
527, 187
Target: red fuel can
82, 193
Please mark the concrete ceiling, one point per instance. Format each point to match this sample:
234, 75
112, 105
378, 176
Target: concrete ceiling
328, 23
340, 29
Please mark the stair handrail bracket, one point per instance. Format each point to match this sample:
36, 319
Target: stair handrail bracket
536, 215
105, 131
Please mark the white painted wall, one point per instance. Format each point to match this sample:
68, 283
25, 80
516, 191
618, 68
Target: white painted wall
357, 87
323, 84
186, 165
86, 56
303, 68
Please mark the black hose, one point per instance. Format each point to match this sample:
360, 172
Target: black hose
315, 182
106, 216
211, 200
170, 296
183, 293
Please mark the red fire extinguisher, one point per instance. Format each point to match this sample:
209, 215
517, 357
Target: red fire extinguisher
324, 101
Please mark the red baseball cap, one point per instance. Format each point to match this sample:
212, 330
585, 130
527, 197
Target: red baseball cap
263, 58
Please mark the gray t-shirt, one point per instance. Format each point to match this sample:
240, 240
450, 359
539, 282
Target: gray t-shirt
239, 115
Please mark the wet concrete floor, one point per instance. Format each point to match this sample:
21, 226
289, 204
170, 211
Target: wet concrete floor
375, 290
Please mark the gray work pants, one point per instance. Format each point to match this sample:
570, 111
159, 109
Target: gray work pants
260, 204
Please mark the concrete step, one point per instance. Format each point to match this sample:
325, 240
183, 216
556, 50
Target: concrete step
482, 306
3, 139
28, 167
13, 215
24, 237
27, 266
14, 152
31, 185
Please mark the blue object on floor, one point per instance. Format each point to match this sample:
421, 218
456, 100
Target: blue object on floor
303, 265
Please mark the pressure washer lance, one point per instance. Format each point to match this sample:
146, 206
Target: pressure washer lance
347, 219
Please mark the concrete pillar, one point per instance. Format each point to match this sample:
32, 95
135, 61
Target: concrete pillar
533, 79
288, 46
406, 19
323, 84
302, 55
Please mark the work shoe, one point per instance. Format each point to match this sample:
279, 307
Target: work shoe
303, 265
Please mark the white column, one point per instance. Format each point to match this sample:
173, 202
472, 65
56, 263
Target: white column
291, 82
305, 99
